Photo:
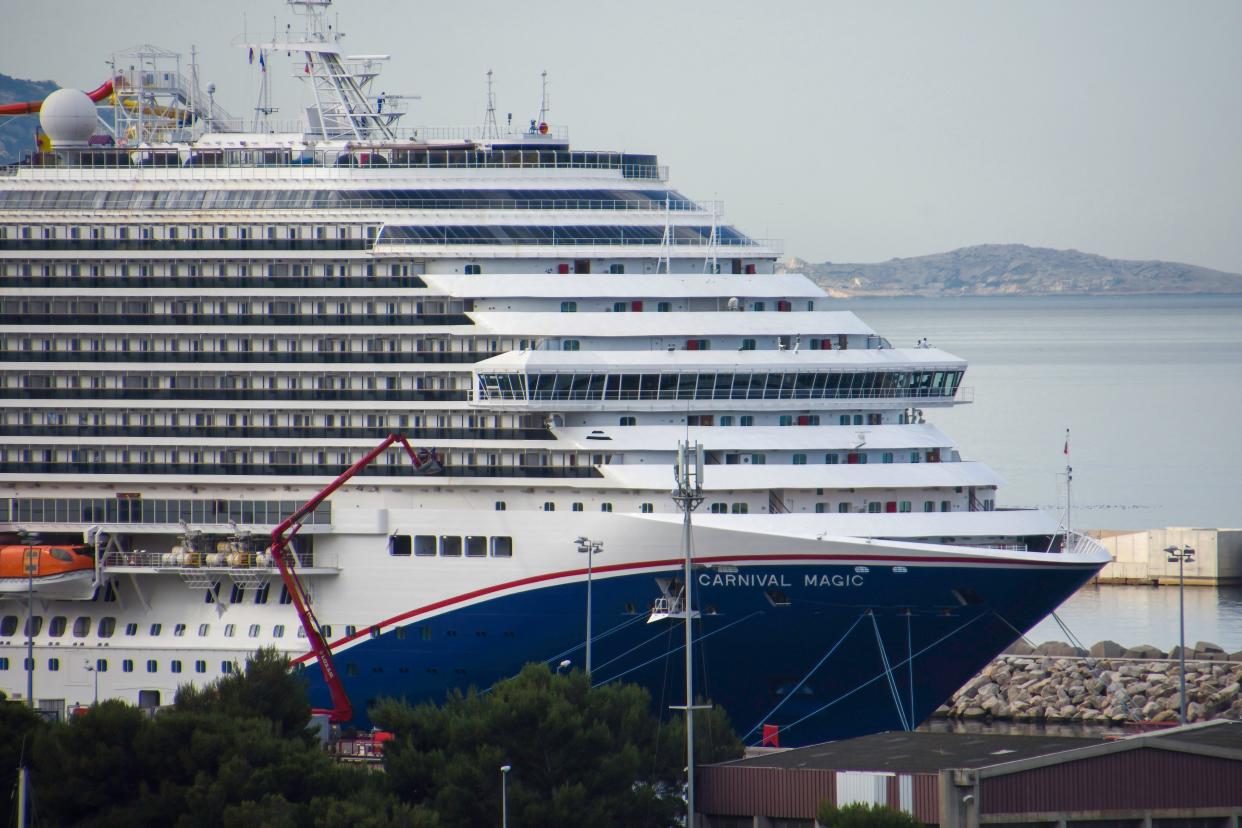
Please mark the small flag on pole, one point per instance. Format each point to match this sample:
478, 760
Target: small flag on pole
1067, 442
262, 63
252, 54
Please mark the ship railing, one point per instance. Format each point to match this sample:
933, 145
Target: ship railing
479, 134
332, 201
119, 164
1080, 544
215, 561
655, 396
510, 242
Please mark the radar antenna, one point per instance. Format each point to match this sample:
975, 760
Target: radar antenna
490, 130
543, 99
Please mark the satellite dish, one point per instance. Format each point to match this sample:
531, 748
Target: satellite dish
68, 118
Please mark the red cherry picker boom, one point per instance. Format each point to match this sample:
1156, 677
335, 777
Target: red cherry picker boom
425, 462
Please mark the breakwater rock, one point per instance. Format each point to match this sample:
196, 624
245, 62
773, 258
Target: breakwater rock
1106, 684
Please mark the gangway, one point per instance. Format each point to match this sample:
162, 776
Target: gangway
426, 461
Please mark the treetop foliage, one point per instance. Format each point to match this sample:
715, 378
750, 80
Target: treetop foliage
860, 815
238, 752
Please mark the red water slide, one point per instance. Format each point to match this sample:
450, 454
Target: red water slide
32, 107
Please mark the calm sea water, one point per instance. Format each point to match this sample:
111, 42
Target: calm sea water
1149, 386
1151, 390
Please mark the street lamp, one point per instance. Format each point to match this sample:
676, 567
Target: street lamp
504, 795
590, 548
1180, 555
95, 670
564, 665
30, 562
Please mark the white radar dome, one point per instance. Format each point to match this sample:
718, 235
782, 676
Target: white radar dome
68, 117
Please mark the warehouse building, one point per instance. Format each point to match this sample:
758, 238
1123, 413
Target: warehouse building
1186, 777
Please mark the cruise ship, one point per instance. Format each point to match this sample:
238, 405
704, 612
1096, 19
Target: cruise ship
206, 322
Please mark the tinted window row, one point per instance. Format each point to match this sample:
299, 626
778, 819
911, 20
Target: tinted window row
551, 234
154, 510
707, 386
127, 665
82, 625
451, 546
329, 199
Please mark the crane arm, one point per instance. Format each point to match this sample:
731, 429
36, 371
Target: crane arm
425, 462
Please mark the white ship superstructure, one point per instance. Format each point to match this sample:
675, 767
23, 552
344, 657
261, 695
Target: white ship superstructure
202, 327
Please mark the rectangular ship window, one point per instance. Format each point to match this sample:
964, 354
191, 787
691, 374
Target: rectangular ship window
502, 546
399, 545
450, 546
476, 546
425, 545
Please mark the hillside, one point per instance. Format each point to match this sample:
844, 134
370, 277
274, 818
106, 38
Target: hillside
1014, 269
17, 135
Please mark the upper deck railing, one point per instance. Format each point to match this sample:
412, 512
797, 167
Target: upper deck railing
207, 162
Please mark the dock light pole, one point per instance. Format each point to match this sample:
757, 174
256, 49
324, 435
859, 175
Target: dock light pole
590, 548
1180, 555
504, 795
688, 494
30, 562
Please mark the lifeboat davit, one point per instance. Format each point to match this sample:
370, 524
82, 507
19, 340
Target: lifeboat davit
59, 571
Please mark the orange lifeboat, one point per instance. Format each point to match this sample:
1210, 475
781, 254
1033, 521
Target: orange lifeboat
56, 569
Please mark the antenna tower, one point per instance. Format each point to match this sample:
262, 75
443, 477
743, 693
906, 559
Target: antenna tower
543, 100
490, 130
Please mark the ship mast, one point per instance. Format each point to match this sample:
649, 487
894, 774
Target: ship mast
342, 109
1069, 499
543, 100
490, 130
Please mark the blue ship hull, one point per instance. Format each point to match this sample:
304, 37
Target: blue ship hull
823, 651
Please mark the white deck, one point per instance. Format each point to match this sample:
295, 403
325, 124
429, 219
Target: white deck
750, 323
748, 477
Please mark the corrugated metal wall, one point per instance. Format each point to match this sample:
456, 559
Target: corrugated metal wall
927, 797
1140, 778
796, 792
773, 792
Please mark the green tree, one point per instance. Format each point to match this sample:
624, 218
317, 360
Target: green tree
579, 755
18, 726
267, 688
234, 753
859, 815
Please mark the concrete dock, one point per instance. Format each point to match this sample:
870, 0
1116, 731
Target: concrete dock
1139, 557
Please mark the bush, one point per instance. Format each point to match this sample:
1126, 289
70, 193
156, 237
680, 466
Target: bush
859, 815
580, 755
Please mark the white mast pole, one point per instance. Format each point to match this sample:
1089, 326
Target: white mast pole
1069, 501
688, 473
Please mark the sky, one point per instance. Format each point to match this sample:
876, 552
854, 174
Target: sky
851, 131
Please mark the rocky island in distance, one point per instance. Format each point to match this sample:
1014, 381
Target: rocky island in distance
1013, 270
